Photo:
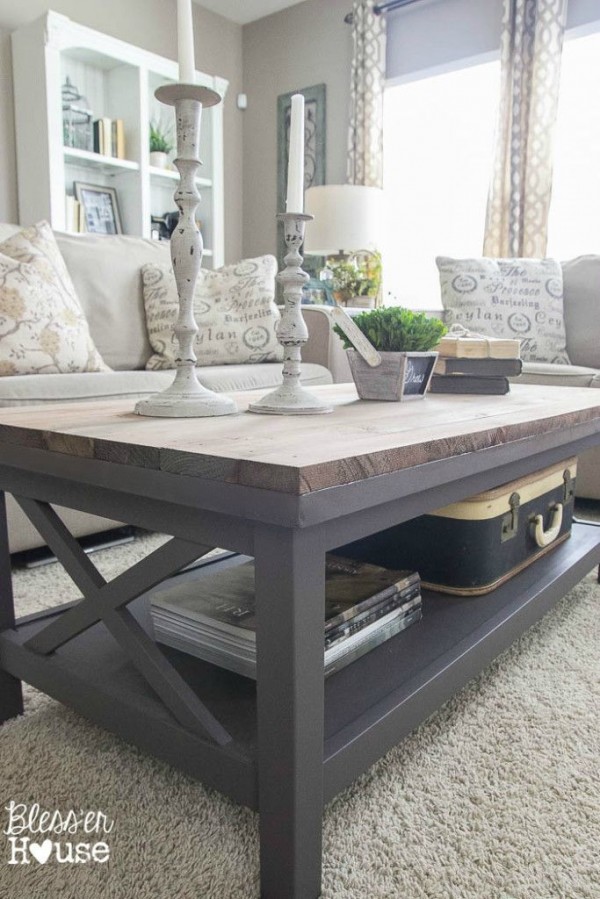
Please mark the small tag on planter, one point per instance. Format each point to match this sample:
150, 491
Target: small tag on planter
361, 343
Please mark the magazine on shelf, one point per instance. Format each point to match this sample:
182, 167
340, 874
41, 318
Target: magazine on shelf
213, 617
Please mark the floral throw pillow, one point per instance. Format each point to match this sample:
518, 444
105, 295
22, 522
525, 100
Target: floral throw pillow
511, 298
234, 308
42, 327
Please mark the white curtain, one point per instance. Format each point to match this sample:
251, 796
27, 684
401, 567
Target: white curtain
520, 191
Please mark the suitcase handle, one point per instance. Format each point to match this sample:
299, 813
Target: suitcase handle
545, 538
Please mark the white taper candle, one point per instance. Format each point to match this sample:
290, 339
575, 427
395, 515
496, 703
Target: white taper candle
295, 182
185, 42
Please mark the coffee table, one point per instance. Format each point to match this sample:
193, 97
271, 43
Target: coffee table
284, 490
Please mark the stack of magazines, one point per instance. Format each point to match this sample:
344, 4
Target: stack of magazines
214, 619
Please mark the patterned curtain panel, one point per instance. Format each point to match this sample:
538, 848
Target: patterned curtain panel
365, 139
519, 200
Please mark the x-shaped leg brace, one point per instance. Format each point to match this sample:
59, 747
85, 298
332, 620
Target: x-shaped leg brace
106, 601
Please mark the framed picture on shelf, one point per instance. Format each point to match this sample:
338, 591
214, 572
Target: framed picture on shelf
100, 208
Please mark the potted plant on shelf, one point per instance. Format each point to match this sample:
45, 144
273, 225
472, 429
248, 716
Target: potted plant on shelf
404, 341
355, 281
161, 145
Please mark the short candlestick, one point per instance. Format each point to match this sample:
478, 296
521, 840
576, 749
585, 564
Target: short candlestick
291, 398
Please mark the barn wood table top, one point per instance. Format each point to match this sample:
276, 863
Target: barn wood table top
299, 455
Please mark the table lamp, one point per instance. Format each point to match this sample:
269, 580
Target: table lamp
347, 221
347, 218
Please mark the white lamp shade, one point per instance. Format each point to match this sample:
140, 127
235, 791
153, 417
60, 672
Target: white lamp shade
347, 219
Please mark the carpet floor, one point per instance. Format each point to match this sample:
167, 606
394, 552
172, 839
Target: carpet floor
496, 796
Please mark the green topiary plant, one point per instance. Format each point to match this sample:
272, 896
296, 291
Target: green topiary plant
397, 330
160, 139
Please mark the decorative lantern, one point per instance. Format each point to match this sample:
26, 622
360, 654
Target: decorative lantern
78, 129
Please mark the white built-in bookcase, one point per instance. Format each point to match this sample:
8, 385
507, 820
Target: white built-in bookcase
118, 81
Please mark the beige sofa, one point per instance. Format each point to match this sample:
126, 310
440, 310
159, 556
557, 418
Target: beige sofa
106, 275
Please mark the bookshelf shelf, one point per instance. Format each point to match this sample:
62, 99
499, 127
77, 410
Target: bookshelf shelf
98, 162
118, 81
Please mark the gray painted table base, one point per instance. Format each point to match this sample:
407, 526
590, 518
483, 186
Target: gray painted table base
291, 742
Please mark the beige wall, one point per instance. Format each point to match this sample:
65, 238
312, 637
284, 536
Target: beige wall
295, 48
150, 24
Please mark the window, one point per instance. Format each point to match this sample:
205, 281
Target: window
438, 152
574, 223
438, 146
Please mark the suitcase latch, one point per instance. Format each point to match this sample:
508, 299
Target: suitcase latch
569, 486
510, 521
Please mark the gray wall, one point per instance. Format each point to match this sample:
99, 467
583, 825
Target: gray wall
304, 45
150, 24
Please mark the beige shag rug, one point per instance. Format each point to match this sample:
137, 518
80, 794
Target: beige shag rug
496, 796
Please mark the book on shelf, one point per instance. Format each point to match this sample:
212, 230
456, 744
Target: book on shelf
483, 368
74, 215
118, 139
214, 618
493, 386
103, 136
479, 347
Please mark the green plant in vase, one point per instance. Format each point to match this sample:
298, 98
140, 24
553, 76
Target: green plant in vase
397, 330
160, 145
405, 342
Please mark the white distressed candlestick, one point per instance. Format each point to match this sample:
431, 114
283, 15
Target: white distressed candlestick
291, 398
185, 42
186, 397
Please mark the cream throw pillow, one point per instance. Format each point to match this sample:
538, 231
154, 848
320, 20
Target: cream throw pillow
234, 307
42, 327
515, 298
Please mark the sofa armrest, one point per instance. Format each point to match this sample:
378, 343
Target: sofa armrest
323, 346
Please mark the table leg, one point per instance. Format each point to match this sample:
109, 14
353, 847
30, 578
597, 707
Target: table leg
290, 591
11, 693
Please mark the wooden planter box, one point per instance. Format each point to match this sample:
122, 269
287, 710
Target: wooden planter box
401, 376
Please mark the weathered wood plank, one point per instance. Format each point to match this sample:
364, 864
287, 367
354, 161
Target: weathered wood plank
300, 454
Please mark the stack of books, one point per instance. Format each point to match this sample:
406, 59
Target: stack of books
214, 618
109, 137
476, 365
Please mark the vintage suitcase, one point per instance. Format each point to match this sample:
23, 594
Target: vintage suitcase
473, 546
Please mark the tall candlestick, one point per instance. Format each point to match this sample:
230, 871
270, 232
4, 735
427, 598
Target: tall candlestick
295, 184
185, 42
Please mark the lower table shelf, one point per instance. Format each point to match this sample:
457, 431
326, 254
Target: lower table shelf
369, 705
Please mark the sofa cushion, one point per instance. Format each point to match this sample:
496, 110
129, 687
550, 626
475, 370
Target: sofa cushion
515, 298
581, 277
36, 389
234, 308
106, 272
42, 325
557, 375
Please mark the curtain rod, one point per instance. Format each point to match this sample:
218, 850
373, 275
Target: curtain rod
380, 8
